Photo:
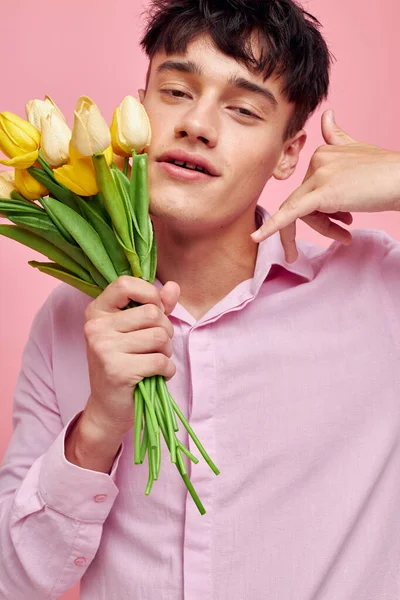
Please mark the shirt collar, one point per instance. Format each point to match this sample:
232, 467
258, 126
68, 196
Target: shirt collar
271, 252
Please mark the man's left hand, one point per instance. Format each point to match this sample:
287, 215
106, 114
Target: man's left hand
343, 176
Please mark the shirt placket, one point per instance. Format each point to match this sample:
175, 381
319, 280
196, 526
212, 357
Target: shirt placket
197, 563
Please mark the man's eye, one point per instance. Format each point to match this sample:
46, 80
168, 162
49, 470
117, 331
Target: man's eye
179, 94
173, 92
247, 113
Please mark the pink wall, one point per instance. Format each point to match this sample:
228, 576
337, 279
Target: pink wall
91, 48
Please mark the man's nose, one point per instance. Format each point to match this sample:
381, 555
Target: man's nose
198, 124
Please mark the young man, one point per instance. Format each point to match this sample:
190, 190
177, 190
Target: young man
286, 369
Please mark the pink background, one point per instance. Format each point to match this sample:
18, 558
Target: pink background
91, 48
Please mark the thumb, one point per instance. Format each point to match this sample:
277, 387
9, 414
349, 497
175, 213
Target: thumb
332, 133
170, 293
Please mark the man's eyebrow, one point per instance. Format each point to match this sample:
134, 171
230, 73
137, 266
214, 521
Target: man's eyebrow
234, 81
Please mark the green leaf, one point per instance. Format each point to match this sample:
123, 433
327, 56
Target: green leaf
87, 237
114, 249
139, 193
63, 275
95, 273
17, 196
36, 220
49, 231
31, 223
131, 256
40, 223
30, 239
142, 195
58, 190
126, 186
116, 174
96, 202
112, 199
20, 206
47, 204
153, 261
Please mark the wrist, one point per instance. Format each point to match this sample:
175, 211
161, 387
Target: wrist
397, 200
91, 447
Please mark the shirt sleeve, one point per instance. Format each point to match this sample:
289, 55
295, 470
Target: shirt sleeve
389, 270
51, 511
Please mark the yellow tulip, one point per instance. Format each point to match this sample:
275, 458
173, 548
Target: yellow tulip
78, 175
19, 140
75, 155
56, 136
90, 132
28, 186
130, 127
6, 184
38, 109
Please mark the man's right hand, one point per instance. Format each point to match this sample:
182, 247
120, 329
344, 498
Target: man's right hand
124, 346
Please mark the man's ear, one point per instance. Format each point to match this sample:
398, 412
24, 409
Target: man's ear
290, 155
141, 95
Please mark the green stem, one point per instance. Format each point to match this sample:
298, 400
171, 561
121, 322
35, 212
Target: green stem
45, 165
189, 485
126, 166
154, 441
194, 436
16, 196
164, 397
150, 479
138, 425
143, 447
188, 453
149, 406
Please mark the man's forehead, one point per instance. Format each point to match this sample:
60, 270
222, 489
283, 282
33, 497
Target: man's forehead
194, 61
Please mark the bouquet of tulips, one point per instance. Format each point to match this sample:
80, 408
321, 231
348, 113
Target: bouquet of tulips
68, 200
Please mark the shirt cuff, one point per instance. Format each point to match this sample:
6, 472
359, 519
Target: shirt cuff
79, 493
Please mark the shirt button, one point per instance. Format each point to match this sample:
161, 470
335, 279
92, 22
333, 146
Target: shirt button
80, 562
100, 497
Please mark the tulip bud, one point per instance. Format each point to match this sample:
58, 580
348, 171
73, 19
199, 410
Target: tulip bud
6, 184
56, 136
78, 175
130, 127
19, 140
28, 186
90, 133
38, 109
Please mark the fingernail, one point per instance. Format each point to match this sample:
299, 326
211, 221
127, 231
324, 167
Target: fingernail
257, 235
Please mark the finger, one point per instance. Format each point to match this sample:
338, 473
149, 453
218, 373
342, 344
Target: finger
288, 239
147, 365
169, 294
299, 204
332, 133
345, 217
120, 292
140, 317
324, 225
144, 341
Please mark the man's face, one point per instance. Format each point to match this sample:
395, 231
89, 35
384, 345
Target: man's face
237, 130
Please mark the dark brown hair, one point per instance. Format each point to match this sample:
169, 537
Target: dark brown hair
291, 45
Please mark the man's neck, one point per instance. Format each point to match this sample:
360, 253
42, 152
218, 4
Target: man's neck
208, 267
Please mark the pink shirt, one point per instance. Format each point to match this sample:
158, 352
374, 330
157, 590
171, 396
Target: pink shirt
292, 383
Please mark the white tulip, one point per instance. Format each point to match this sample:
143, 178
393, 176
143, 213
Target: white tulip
6, 184
131, 127
56, 136
38, 109
90, 133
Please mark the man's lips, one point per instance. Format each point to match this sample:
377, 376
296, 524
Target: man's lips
189, 157
183, 174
